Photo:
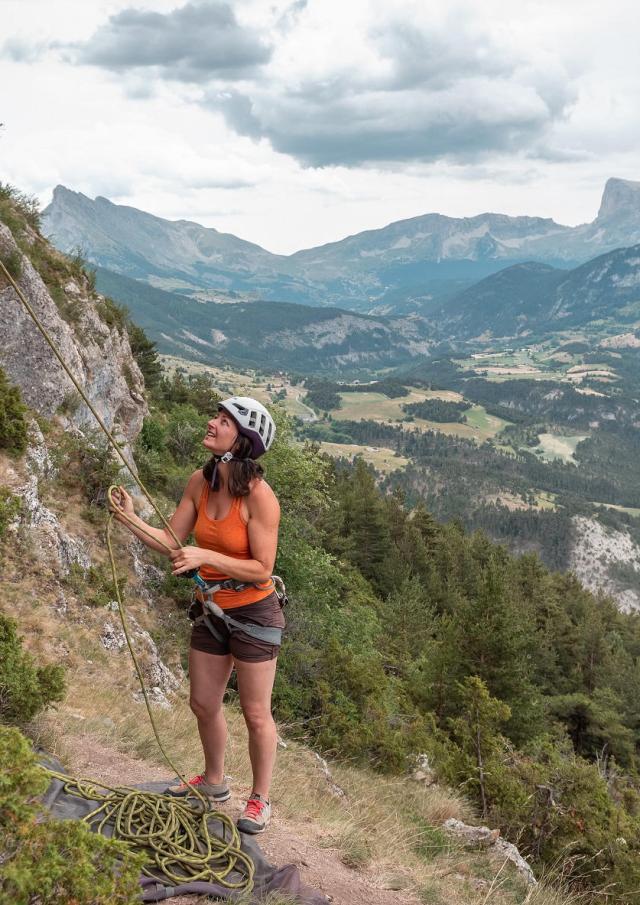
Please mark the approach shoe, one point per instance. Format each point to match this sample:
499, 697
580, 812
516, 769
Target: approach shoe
256, 815
215, 791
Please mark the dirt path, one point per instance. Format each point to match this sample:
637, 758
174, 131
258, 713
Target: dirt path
301, 842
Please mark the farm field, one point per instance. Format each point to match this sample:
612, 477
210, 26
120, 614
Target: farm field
628, 509
378, 407
382, 458
535, 364
558, 446
229, 382
479, 426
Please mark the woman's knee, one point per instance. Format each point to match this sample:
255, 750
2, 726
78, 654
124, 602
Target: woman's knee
204, 708
257, 717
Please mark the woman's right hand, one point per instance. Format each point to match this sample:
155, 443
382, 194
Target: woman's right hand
121, 503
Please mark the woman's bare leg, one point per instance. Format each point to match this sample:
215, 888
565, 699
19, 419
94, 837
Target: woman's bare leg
255, 684
208, 675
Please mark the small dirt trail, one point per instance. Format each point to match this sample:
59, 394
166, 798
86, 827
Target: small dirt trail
301, 842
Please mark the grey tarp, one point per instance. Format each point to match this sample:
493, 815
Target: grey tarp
66, 806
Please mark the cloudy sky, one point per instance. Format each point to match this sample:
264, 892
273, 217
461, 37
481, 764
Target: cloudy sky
296, 122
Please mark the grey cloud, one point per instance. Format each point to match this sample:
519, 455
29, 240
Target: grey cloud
336, 125
421, 58
220, 183
196, 42
289, 17
458, 98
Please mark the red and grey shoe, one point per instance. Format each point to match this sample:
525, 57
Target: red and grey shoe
215, 791
256, 815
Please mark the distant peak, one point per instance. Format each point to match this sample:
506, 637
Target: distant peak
61, 192
620, 197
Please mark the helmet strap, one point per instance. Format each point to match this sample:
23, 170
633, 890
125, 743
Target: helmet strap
225, 457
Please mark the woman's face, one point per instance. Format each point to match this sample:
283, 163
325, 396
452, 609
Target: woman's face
221, 433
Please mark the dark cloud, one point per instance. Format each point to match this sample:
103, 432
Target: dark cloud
436, 95
321, 126
195, 43
437, 59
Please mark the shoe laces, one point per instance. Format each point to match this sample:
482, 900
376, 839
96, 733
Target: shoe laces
196, 781
254, 808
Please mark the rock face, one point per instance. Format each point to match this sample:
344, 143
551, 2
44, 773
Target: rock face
607, 561
99, 356
52, 544
483, 837
159, 679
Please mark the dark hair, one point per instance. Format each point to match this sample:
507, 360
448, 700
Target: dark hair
242, 469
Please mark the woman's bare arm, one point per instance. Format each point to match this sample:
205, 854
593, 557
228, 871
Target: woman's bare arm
182, 520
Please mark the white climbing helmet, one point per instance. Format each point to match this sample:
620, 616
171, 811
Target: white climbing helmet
253, 421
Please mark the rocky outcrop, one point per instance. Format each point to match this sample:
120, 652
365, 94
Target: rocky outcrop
99, 356
52, 544
483, 837
607, 561
159, 679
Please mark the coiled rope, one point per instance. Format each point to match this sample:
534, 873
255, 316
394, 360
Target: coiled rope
173, 834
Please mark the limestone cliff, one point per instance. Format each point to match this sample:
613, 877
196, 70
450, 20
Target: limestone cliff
53, 550
98, 355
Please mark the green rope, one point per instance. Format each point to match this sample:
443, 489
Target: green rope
173, 834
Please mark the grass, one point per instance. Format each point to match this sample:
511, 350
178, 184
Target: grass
229, 382
546, 501
558, 446
383, 459
479, 426
630, 510
378, 407
486, 425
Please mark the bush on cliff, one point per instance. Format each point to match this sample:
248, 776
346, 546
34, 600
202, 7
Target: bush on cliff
53, 861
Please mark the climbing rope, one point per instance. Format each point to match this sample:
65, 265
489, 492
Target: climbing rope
174, 837
173, 834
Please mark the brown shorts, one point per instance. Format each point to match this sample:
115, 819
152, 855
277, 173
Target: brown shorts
243, 647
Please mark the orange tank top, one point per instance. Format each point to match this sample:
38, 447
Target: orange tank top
228, 535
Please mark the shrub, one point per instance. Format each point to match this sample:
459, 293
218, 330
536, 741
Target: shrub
13, 262
113, 314
13, 424
26, 206
9, 508
90, 463
25, 689
57, 860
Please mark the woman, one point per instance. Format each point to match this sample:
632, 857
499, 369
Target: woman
234, 515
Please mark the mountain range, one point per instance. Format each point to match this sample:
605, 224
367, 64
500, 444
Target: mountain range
270, 335
407, 266
601, 296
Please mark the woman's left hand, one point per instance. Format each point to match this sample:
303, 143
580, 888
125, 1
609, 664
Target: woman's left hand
187, 558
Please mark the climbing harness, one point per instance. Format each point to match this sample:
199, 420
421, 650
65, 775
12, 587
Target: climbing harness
203, 607
172, 834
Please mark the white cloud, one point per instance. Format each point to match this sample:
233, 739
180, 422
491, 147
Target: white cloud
409, 107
